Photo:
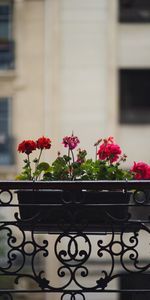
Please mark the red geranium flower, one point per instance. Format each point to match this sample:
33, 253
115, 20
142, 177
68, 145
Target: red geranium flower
141, 170
71, 141
109, 150
27, 146
43, 143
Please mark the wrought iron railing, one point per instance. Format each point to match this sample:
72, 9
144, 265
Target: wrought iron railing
86, 258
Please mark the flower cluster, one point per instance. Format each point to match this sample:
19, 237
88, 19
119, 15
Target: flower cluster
109, 150
27, 147
141, 170
76, 166
70, 141
43, 143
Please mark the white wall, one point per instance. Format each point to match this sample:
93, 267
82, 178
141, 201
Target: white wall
84, 55
77, 83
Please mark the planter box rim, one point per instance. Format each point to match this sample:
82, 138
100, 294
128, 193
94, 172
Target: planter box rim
101, 184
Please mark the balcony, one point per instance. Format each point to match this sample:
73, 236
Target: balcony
87, 261
7, 55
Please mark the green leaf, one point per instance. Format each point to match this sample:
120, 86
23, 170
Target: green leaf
43, 166
60, 169
66, 158
22, 177
47, 176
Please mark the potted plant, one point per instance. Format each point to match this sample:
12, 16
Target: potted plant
56, 210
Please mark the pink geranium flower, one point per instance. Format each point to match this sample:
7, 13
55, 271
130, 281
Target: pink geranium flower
71, 142
109, 150
141, 170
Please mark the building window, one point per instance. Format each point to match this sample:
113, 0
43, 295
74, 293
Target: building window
137, 11
134, 96
6, 140
6, 42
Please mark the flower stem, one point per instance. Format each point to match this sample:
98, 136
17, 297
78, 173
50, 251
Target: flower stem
72, 156
73, 163
37, 163
69, 163
39, 157
96, 153
29, 165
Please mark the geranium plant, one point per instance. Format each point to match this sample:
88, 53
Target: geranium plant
74, 164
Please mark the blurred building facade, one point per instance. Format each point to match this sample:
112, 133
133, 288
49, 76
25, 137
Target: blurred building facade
76, 65
81, 65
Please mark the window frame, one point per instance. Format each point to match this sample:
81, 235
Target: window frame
10, 19
133, 15
8, 157
7, 47
129, 114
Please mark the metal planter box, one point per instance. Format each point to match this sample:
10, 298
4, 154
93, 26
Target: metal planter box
56, 211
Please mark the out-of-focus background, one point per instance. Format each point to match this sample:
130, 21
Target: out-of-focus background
81, 65
74, 65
